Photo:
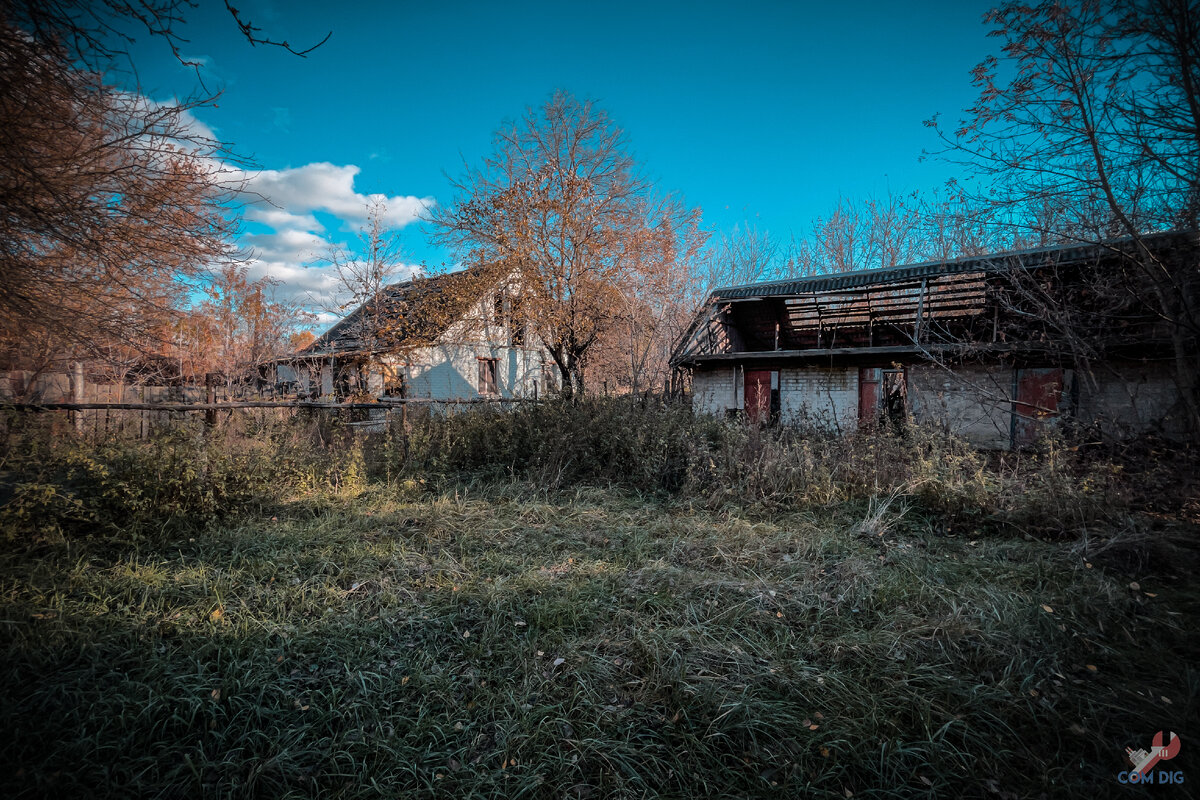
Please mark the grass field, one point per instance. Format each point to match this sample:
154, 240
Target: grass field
492, 638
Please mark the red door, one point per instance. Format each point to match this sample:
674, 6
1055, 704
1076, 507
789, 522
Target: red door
758, 395
1038, 391
869, 400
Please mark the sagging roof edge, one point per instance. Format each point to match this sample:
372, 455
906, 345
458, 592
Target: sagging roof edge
907, 353
992, 262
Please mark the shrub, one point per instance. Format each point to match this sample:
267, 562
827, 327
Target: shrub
61, 485
642, 444
651, 446
184, 475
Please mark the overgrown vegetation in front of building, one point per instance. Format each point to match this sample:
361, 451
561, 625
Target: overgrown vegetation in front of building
607, 598
185, 475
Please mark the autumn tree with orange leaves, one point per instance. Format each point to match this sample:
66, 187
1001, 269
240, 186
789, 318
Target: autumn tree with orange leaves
563, 206
116, 208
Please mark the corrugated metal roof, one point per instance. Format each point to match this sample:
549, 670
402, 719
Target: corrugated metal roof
992, 262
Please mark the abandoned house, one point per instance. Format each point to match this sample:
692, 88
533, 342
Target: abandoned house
997, 348
457, 336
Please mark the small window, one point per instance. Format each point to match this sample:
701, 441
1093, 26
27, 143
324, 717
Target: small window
394, 384
487, 375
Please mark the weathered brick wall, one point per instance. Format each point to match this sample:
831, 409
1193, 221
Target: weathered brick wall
974, 402
821, 396
1126, 400
971, 401
714, 390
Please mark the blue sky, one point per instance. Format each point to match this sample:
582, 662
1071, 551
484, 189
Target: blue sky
759, 113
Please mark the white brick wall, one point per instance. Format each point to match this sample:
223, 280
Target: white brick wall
975, 402
821, 396
972, 401
714, 390
1131, 399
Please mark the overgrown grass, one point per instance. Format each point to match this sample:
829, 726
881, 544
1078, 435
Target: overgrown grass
875, 617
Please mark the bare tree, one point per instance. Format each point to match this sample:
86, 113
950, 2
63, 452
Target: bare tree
562, 204
870, 234
659, 301
240, 324
1087, 129
97, 33
952, 225
743, 255
109, 201
867, 234
362, 274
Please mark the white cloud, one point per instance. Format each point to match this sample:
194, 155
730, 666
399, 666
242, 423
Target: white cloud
162, 121
322, 186
286, 201
194, 126
288, 245
282, 220
313, 288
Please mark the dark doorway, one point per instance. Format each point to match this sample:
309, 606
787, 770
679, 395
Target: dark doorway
882, 394
895, 395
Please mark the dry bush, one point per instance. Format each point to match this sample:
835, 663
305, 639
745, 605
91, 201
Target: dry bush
651, 446
55, 482
642, 444
58, 485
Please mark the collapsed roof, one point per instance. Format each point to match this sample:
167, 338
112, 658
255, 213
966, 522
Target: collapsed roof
905, 309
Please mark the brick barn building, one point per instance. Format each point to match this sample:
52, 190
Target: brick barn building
997, 348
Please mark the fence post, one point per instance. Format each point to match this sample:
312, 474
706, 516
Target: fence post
77, 394
210, 397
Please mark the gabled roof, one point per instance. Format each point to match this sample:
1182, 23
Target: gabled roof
413, 313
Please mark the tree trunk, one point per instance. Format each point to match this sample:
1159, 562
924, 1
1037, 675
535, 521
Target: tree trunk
566, 380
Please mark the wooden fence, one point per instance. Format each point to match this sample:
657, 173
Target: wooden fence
139, 419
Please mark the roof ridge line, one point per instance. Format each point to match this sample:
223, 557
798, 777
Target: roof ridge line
880, 274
